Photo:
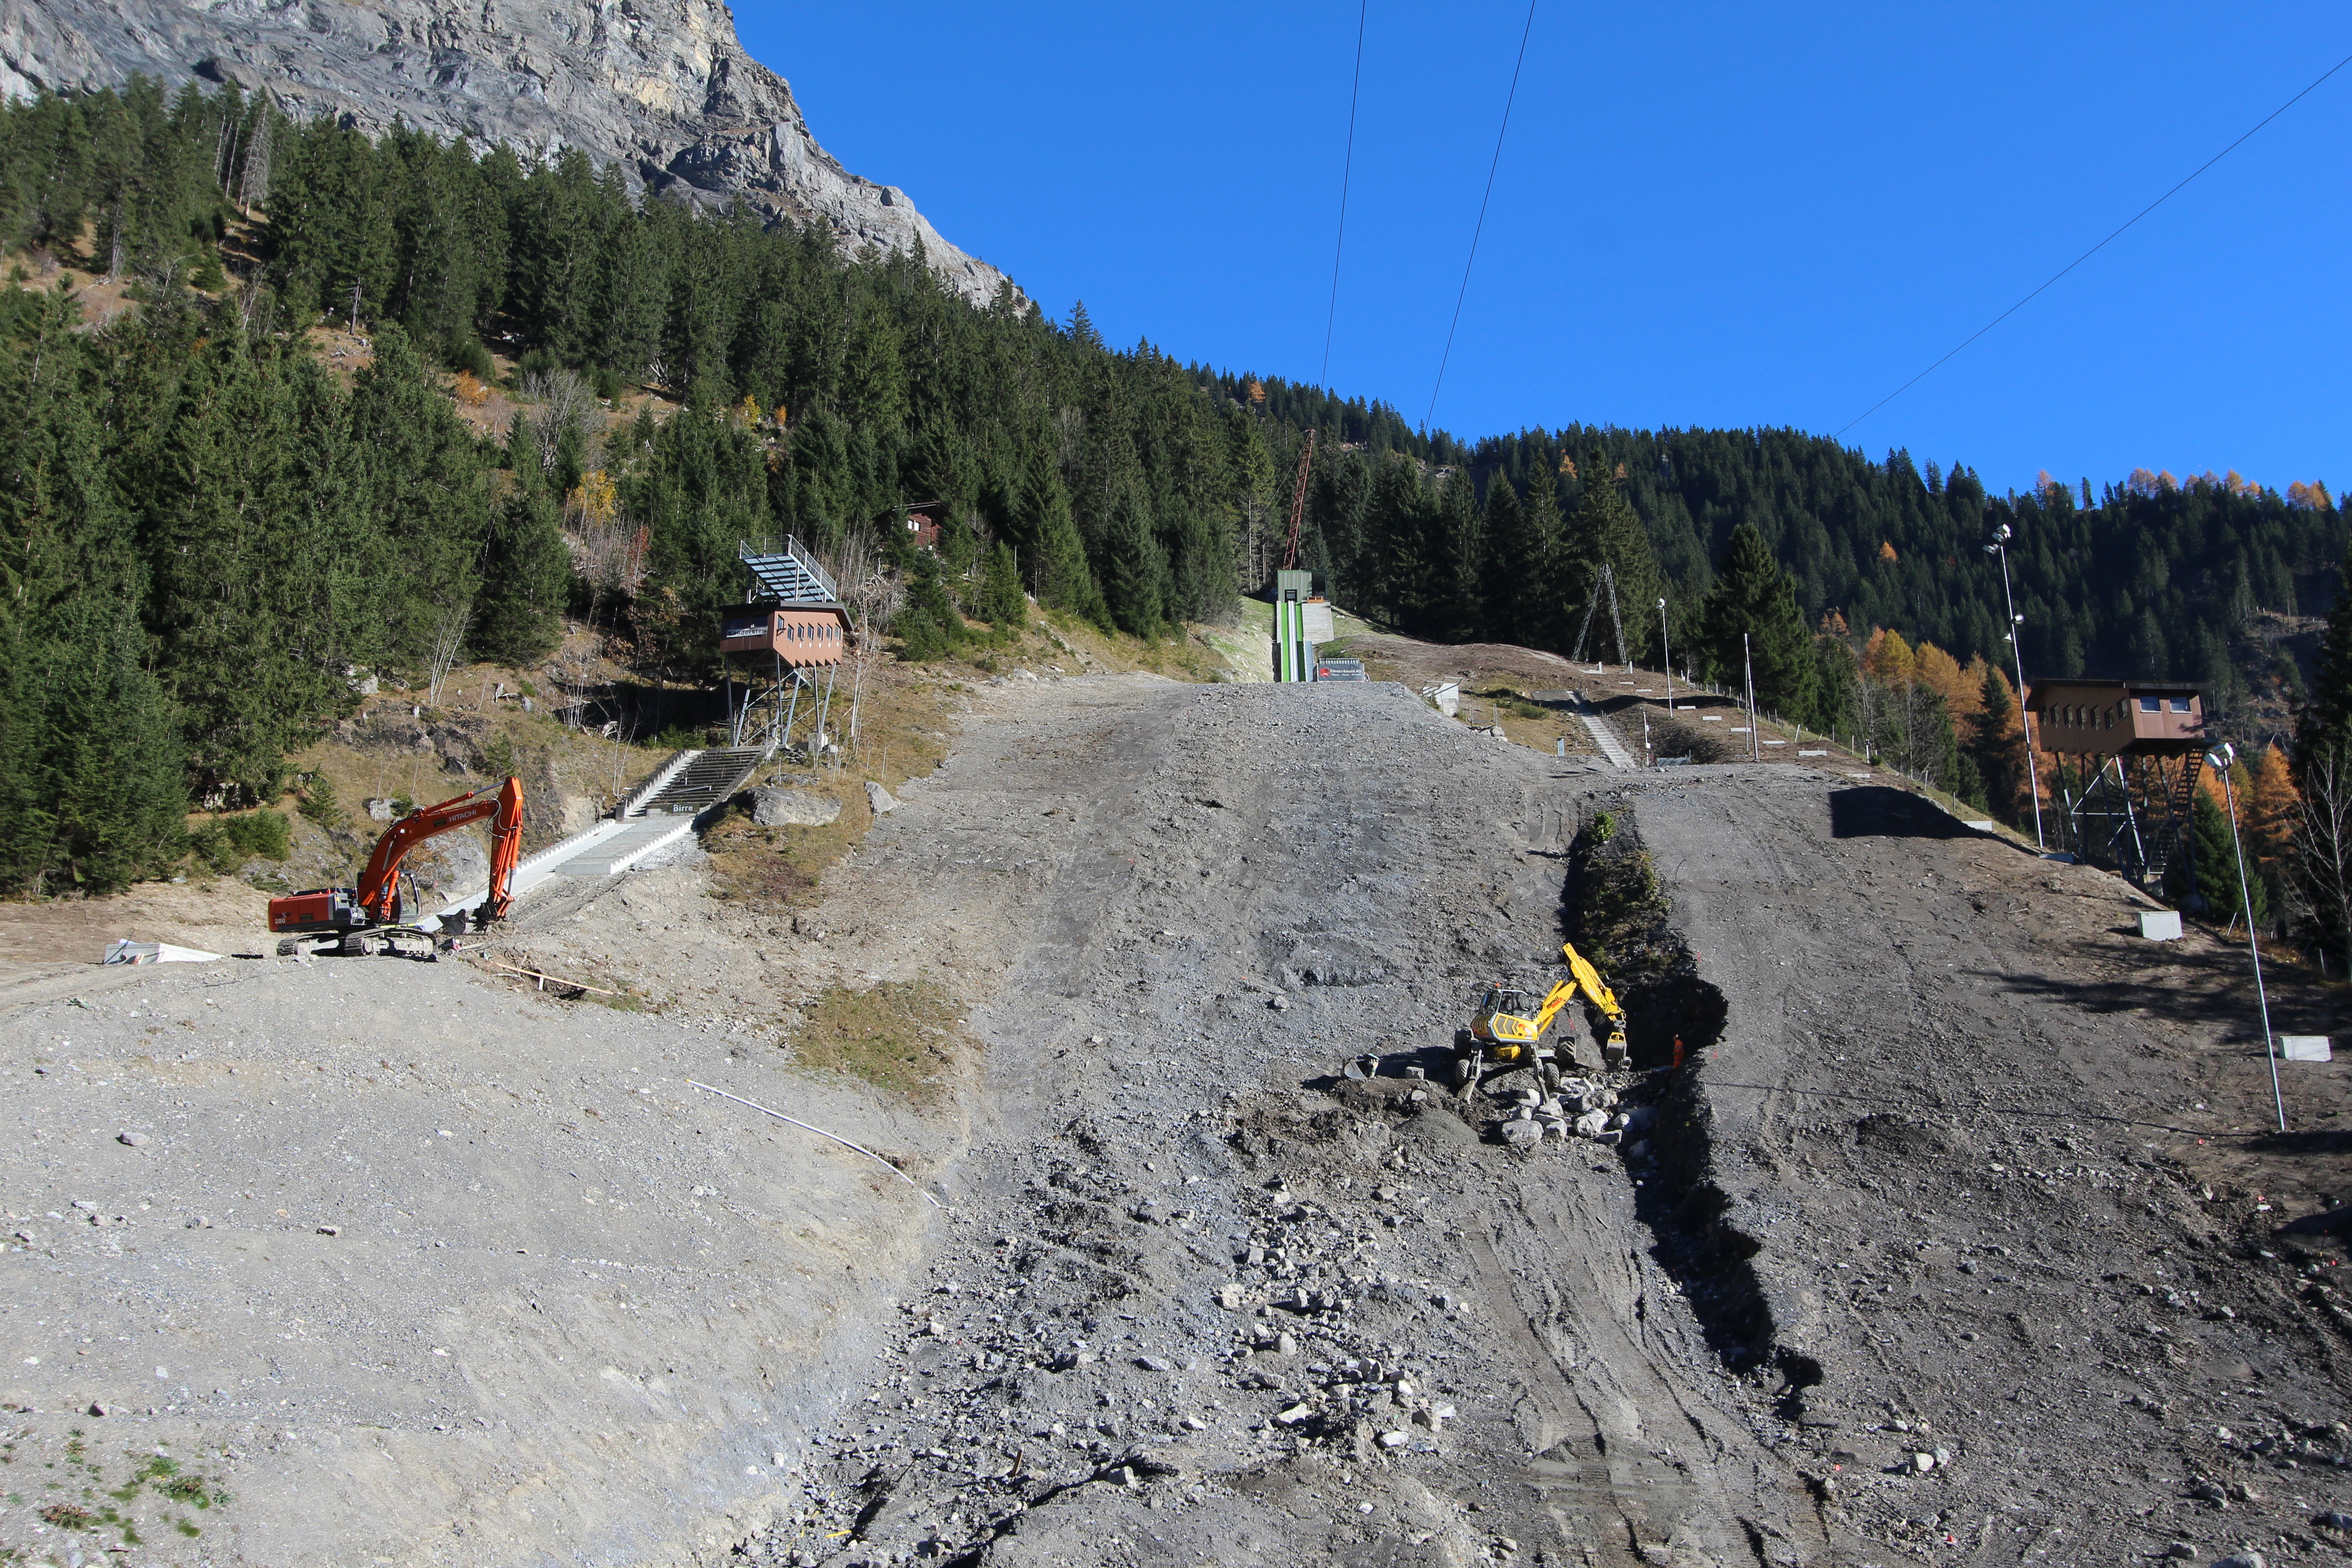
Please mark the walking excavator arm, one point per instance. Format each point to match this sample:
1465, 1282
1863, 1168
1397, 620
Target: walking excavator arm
376, 900
1500, 1033
1596, 989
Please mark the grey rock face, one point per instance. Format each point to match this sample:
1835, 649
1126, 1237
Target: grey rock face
662, 86
776, 806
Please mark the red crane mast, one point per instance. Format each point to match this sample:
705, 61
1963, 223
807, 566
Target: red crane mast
1299, 503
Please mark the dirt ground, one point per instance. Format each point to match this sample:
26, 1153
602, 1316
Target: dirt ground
1948, 1242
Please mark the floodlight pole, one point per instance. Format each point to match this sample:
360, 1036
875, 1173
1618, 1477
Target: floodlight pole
1667, 648
2219, 762
2000, 546
1747, 665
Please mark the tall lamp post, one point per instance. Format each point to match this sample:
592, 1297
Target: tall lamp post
2000, 546
1667, 648
2219, 760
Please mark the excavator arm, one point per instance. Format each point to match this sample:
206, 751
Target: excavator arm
301, 917
378, 895
1597, 990
506, 852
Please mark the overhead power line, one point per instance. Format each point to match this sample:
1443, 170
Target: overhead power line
2086, 256
1346, 173
1481, 227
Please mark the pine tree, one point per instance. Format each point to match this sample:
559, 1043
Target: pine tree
928, 626
2216, 866
1604, 526
1001, 603
1750, 620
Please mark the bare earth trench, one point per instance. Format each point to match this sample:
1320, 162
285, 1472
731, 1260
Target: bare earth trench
1943, 1250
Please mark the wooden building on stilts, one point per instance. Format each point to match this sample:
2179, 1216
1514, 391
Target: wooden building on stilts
2128, 752
781, 650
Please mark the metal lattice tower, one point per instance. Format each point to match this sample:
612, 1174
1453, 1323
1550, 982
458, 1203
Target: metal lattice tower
1605, 578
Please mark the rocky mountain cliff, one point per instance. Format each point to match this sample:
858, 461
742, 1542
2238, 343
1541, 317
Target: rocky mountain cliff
663, 87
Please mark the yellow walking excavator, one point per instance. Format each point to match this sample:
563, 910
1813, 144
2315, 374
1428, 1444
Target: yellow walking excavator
1505, 1034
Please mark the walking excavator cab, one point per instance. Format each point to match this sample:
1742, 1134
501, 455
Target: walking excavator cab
369, 918
1505, 1034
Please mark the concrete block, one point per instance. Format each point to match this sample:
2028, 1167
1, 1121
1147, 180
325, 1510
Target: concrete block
2305, 1047
1981, 824
2160, 925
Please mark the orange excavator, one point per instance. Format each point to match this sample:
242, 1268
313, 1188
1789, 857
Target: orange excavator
369, 918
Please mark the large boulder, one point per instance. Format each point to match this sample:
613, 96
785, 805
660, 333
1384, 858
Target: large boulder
450, 864
778, 805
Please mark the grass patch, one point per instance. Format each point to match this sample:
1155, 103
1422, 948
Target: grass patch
762, 867
901, 1037
1699, 743
1507, 699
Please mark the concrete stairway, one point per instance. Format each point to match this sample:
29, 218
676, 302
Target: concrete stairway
662, 811
707, 779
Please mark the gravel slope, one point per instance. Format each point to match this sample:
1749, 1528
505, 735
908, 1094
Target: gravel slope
1968, 1173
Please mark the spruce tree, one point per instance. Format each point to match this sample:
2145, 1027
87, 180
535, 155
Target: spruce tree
1750, 620
1455, 613
1837, 685
1540, 608
1604, 526
1135, 571
1509, 567
1997, 747
1064, 580
1001, 603
928, 626
526, 572
2216, 866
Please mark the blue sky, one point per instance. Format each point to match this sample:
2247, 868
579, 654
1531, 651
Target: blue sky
1705, 215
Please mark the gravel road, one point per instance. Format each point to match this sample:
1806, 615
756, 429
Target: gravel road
1944, 1246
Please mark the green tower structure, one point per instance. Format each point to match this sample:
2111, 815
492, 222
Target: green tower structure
1294, 656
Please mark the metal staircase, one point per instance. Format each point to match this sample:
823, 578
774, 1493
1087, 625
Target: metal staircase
2167, 834
785, 574
2135, 813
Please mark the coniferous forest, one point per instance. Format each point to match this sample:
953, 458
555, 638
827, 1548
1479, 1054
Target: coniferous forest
210, 537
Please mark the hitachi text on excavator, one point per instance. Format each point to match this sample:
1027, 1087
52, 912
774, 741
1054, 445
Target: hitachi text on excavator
372, 917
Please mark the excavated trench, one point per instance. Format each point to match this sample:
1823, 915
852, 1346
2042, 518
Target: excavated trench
1613, 907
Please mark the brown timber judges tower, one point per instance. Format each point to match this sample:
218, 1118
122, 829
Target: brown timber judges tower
2128, 752
790, 629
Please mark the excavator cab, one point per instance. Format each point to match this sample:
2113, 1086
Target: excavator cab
1502, 1017
1506, 1031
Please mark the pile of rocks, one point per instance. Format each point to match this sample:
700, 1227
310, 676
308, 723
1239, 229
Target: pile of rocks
1586, 1109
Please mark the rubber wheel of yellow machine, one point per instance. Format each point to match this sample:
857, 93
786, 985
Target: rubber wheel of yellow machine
1550, 1074
1465, 1072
